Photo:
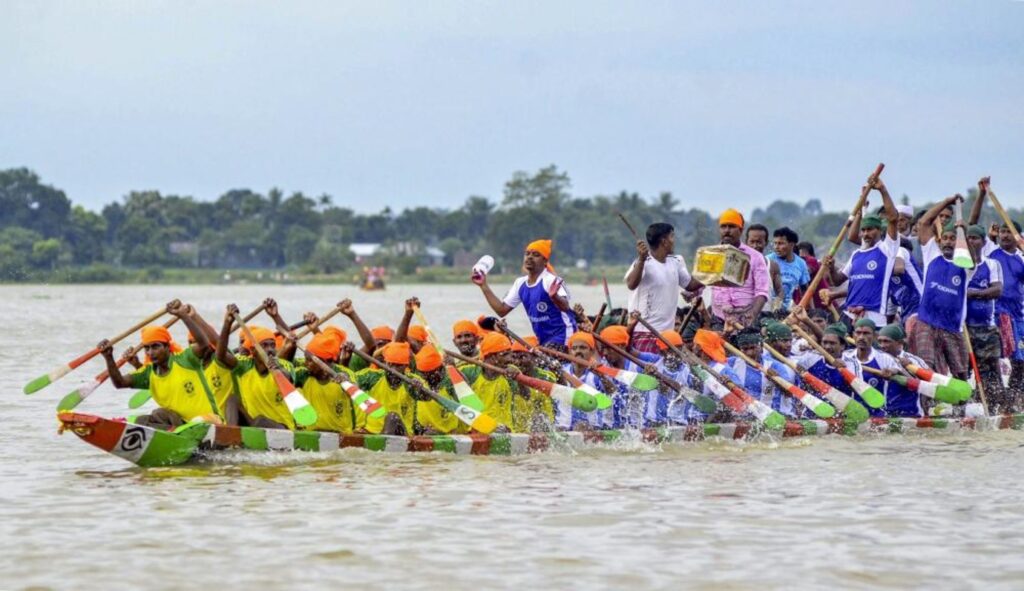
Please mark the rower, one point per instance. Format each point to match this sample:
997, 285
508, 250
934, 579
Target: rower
984, 288
415, 335
582, 345
431, 417
542, 294
391, 392
532, 410
494, 389
334, 409
863, 355
871, 266
759, 386
743, 303
175, 377
371, 340
654, 280
665, 406
708, 347
466, 337
833, 340
937, 335
899, 400
261, 402
630, 404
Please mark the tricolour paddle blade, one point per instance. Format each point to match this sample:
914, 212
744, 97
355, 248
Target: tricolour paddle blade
472, 417
820, 408
366, 403
69, 402
946, 394
962, 258
46, 379
603, 400
637, 381
855, 412
871, 396
139, 398
962, 388
465, 394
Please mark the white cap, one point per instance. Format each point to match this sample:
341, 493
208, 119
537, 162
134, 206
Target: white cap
906, 210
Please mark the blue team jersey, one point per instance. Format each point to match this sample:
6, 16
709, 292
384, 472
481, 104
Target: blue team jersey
982, 312
668, 406
1012, 266
567, 417
905, 289
550, 325
869, 271
944, 301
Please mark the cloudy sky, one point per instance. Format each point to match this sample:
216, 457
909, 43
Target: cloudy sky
410, 103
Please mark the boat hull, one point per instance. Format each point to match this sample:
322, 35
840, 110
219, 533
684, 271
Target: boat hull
148, 447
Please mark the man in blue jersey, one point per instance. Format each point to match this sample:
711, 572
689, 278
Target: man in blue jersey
864, 354
899, 401
870, 267
542, 294
936, 336
793, 271
984, 288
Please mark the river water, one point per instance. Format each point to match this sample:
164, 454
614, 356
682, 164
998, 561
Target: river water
913, 511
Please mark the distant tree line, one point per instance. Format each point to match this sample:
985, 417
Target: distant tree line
42, 231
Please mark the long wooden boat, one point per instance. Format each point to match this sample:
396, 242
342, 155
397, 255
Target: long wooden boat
148, 447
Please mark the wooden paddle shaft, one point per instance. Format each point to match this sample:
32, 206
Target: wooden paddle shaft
330, 314
476, 362
640, 362
628, 225
785, 360
401, 376
689, 314
810, 341
688, 355
248, 317
804, 301
977, 372
256, 345
138, 326
567, 357
1002, 214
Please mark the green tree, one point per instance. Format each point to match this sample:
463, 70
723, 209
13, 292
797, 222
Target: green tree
548, 188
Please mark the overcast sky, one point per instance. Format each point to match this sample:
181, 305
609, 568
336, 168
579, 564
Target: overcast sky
722, 103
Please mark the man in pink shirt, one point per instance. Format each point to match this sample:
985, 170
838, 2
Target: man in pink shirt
742, 304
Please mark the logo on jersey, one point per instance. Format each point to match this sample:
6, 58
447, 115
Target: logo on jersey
896, 279
189, 388
956, 281
872, 265
542, 307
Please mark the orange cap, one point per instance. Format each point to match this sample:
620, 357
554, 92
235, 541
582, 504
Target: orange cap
156, 334
711, 343
616, 335
383, 333
583, 337
326, 346
671, 336
731, 216
397, 353
428, 359
542, 246
260, 334
341, 335
465, 326
419, 333
494, 343
517, 346
532, 340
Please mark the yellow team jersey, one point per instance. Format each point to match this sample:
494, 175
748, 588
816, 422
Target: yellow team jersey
395, 400
259, 394
431, 415
526, 410
218, 377
334, 408
183, 389
496, 394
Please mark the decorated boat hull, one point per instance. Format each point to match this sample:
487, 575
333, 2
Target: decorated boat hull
148, 447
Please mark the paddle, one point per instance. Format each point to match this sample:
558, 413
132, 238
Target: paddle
820, 408
728, 391
76, 396
463, 391
310, 328
607, 296
922, 387
977, 372
871, 396
302, 411
1002, 214
143, 396
705, 403
961, 253
689, 315
366, 403
603, 400
806, 299
960, 387
577, 398
56, 374
470, 416
850, 408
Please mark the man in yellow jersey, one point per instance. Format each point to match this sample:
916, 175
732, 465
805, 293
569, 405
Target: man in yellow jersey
432, 418
175, 379
391, 392
261, 402
532, 410
334, 408
372, 339
494, 389
466, 337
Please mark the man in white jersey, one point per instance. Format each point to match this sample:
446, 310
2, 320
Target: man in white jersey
654, 280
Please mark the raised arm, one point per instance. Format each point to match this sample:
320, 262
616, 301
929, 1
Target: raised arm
925, 228
369, 343
224, 354
854, 234
891, 213
500, 307
402, 332
188, 315
116, 377
979, 202
636, 272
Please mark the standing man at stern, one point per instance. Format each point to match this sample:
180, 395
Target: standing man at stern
654, 281
743, 303
542, 294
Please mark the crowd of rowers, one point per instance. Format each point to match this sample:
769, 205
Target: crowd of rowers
895, 310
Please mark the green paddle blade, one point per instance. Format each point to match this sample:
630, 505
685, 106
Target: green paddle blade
873, 397
69, 402
825, 411
948, 394
139, 398
775, 421
379, 413
603, 401
705, 404
37, 384
305, 415
962, 388
855, 412
583, 401
473, 401
645, 383
962, 259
